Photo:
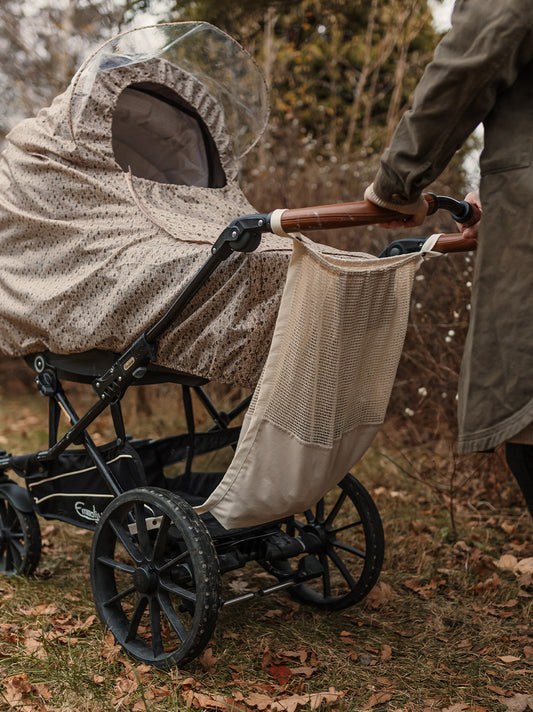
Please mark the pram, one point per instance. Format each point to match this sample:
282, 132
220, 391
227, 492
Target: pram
156, 564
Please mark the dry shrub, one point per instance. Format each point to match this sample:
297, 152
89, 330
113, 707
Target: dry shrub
15, 376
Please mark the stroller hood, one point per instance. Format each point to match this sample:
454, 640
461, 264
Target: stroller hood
219, 64
138, 118
111, 197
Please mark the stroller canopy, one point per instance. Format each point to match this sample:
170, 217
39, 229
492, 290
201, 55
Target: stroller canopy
111, 198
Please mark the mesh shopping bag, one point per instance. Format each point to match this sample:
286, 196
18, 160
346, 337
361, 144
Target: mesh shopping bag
325, 385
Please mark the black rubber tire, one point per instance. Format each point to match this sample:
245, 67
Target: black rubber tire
20, 540
157, 588
351, 565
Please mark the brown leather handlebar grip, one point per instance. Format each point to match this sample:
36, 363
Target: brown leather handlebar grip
340, 215
455, 243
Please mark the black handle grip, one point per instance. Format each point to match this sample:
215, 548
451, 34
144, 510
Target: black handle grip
461, 211
465, 213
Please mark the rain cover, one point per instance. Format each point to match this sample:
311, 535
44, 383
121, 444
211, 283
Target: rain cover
111, 198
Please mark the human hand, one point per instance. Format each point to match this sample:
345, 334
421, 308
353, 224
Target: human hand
417, 218
415, 213
472, 231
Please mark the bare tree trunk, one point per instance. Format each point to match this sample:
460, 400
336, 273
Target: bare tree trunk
394, 105
268, 46
11, 25
412, 23
63, 61
361, 82
269, 59
384, 51
370, 100
336, 40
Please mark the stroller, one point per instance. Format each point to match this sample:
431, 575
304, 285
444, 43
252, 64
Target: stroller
158, 554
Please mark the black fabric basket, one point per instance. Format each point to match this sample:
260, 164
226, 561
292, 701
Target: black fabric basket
73, 489
193, 486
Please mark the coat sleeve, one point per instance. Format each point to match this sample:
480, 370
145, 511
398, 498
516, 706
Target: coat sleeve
479, 58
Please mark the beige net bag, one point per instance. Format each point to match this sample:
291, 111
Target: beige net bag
325, 386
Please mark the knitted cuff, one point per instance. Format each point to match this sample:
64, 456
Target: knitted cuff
409, 209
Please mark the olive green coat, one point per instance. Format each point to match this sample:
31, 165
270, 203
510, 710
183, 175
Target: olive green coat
482, 71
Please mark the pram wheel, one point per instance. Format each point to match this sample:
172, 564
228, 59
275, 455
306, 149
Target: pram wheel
351, 548
20, 539
155, 576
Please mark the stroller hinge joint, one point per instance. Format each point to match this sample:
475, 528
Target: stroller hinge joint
131, 365
243, 234
46, 381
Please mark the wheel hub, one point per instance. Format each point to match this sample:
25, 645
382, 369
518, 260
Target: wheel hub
318, 536
145, 579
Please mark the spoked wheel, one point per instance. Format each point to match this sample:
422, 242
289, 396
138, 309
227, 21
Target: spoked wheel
349, 548
20, 539
155, 576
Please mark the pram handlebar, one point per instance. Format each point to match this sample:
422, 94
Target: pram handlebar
363, 213
244, 235
455, 242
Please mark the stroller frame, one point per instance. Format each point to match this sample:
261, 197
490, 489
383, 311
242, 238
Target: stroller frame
161, 593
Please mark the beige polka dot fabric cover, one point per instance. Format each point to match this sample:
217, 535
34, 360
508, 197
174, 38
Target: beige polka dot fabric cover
91, 256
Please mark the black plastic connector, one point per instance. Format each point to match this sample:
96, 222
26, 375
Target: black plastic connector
132, 365
461, 211
403, 247
243, 234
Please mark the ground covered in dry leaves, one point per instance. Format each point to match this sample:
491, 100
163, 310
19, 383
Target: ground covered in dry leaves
448, 628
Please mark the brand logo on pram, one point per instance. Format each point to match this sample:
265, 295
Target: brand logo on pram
82, 511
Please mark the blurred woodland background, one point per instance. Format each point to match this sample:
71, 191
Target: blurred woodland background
340, 75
